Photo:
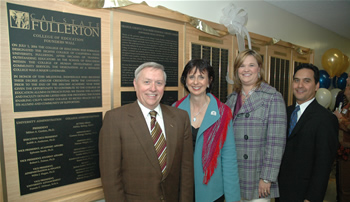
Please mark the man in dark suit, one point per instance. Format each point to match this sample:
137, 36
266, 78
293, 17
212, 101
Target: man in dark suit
132, 168
311, 145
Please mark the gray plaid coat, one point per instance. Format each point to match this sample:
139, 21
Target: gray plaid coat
260, 134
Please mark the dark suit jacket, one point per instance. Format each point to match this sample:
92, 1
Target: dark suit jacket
309, 155
129, 164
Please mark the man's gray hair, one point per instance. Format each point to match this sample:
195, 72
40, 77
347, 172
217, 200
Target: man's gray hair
149, 64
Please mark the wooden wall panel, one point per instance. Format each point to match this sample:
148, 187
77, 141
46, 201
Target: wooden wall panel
112, 89
83, 191
279, 70
156, 19
198, 37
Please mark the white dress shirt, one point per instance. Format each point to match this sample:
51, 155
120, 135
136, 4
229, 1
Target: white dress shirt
147, 116
303, 107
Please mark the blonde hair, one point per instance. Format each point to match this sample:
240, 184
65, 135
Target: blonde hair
237, 86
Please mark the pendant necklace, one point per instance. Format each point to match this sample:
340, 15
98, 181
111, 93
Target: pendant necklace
194, 117
249, 94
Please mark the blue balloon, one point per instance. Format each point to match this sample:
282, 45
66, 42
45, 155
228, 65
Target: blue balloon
325, 81
344, 75
341, 83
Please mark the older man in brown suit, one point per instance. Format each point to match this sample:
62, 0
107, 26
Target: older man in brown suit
147, 156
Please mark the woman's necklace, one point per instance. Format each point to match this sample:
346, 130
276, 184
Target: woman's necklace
249, 94
195, 116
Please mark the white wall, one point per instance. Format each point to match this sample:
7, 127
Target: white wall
267, 20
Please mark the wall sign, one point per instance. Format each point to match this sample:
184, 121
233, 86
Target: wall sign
140, 44
57, 150
55, 59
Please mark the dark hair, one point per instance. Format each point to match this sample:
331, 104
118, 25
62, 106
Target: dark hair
237, 86
311, 67
199, 65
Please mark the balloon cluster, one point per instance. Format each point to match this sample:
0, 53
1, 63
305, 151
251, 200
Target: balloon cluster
338, 82
327, 98
335, 64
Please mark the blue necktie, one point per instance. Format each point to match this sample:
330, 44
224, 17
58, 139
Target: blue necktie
293, 119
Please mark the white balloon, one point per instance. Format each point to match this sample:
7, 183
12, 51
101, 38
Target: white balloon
324, 97
334, 93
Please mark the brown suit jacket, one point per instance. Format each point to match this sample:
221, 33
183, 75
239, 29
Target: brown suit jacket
129, 165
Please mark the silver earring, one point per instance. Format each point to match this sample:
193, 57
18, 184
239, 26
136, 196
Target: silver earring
259, 75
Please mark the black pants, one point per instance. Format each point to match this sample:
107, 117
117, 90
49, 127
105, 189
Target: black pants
221, 199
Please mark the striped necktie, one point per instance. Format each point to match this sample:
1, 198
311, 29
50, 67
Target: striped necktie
293, 120
158, 141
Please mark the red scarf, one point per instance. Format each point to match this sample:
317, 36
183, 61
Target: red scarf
214, 139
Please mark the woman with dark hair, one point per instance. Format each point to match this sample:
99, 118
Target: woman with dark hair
259, 122
215, 163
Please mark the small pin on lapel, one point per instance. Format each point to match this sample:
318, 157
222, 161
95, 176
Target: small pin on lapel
171, 125
213, 113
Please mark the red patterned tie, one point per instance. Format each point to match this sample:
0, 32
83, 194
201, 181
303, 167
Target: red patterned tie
158, 141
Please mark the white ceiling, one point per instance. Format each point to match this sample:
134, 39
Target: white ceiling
333, 15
